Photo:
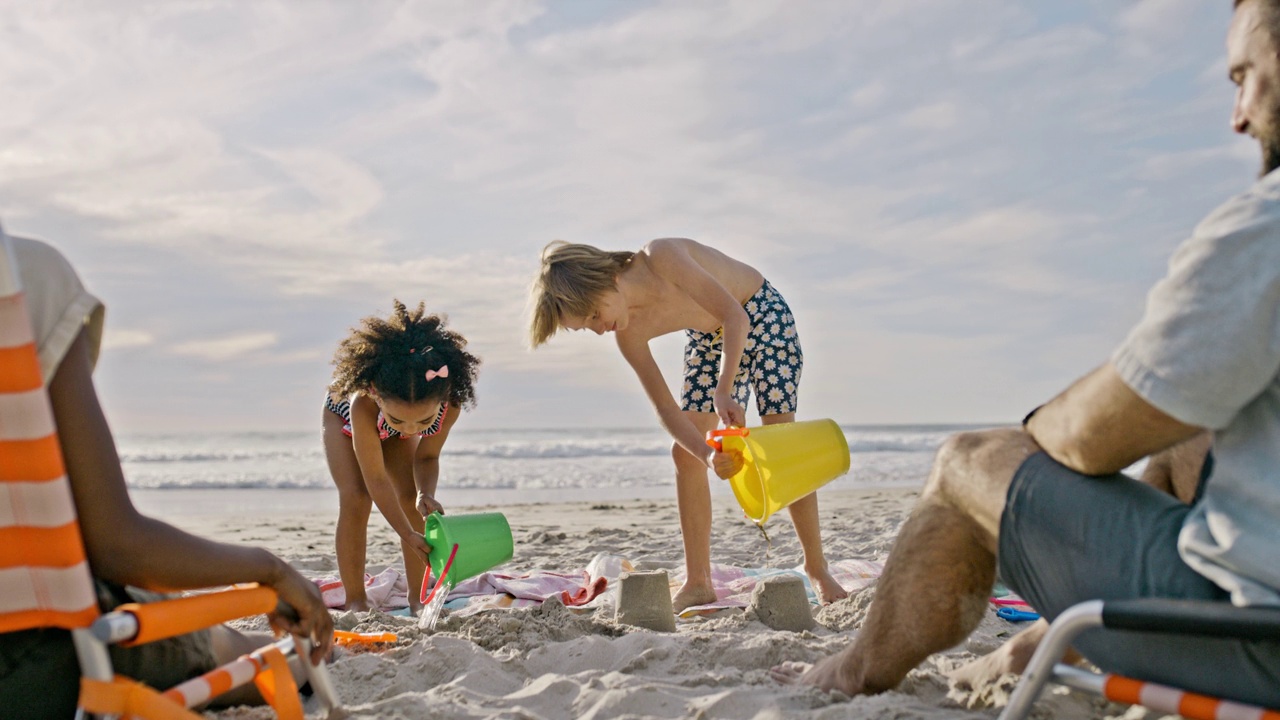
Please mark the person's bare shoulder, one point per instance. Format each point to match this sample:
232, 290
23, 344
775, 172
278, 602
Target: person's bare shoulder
663, 254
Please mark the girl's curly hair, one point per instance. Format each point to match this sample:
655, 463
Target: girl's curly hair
392, 357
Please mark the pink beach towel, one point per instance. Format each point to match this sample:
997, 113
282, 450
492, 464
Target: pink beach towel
734, 585
591, 587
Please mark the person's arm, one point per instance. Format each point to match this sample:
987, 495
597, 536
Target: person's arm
1100, 426
426, 464
1176, 470
126, 547
670, 258
673, 420
368, 448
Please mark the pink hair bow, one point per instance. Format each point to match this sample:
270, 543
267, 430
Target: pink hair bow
442, 372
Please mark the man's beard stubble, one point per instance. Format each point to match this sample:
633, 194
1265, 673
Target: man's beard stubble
1270, 155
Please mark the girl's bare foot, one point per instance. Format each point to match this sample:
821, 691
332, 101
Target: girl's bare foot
826, 587
360, 605
691, 595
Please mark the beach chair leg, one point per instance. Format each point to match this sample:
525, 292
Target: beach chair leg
1069, 624
318, 676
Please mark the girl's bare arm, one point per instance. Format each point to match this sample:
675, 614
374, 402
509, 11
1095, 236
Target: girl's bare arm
426, 465
368, 449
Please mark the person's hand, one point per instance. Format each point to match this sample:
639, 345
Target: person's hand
417, 543
727, 463
428, 505
301, 611
729, 411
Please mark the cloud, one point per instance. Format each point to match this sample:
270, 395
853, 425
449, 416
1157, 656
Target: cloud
226, 348
954, 176
121, 339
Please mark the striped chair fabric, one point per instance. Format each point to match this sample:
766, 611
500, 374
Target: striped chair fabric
44, 577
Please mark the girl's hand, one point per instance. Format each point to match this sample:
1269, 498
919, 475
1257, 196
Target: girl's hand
730, 412
418, 543
428, 505
726, 464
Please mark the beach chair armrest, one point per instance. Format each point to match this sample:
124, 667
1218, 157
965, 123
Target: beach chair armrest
179, 616
1193, 617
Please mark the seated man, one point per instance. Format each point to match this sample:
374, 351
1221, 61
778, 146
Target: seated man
1046, 504
39, 674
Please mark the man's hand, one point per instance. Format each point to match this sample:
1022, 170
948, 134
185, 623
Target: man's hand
302, 611
726, 464
428, 505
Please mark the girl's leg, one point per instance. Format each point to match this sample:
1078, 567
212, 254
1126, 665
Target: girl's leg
398, 454
693, 500
354, 505
804, 515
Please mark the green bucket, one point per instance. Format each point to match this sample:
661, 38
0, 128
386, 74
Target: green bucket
483, 542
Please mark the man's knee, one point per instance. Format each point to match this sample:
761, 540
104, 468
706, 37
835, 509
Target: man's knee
977, 466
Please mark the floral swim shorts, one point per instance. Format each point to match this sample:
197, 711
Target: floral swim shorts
770, 364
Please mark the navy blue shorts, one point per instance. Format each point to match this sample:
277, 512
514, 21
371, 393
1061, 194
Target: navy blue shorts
1066, 538
771, 362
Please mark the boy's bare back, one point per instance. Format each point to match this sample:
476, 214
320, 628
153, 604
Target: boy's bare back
667, 275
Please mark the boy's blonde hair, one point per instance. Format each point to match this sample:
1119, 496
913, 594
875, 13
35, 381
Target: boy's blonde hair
570, 282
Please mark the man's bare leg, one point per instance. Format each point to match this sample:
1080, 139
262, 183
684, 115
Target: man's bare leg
937, 580
693, 501
1175, 471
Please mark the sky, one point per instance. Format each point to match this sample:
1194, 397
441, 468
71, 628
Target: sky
964, 201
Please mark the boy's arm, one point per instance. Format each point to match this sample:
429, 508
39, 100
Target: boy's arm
426, 465
129, 548
368, 449
672, 418
670, 258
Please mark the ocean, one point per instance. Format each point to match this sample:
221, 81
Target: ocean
481, 467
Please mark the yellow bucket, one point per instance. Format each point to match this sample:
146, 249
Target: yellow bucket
782, 463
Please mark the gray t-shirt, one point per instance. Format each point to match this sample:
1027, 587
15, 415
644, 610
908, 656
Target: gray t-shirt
1207, 352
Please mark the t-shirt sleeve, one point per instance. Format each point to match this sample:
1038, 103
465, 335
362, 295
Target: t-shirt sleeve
1209, 341
58, 303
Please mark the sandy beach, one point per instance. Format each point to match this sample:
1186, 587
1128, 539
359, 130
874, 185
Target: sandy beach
549, 661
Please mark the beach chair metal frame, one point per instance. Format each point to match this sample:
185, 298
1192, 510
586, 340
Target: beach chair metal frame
46, 576
1183, 617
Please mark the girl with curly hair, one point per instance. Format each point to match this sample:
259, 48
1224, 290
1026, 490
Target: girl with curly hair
397, 390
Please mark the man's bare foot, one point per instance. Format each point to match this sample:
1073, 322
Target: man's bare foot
1011, 657
361, 605
789, 672
691, 595
830, 673
826, 587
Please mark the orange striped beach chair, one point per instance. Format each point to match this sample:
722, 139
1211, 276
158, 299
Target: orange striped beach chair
1187, 617
44, 575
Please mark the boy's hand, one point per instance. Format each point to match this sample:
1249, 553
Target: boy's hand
730, 412
428, 505
727, 463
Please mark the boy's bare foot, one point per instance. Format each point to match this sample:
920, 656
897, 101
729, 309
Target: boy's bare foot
691, 595
826, 587
361, 605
